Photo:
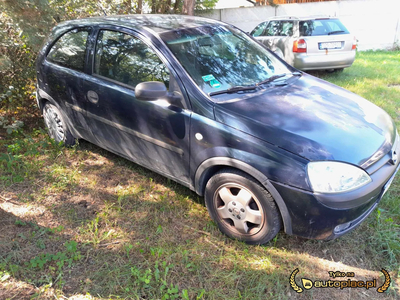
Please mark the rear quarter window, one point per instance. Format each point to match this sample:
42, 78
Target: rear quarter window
70, 50
279, 28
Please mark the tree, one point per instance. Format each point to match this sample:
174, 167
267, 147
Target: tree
180, 6
164, 6
188, 7
278, 2
205, 5
24, 25
139, 7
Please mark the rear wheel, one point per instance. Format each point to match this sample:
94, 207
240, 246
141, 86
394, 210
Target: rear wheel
334, 70
56, 126
242, 208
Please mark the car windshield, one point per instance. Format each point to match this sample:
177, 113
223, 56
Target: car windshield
219, 58
321, 27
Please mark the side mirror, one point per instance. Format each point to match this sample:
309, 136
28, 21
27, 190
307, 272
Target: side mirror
150, 91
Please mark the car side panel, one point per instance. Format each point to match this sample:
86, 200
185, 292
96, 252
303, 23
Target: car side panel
152, 133
149, 132
213, 139
64, 86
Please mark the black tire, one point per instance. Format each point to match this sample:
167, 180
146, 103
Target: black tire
334, 70
56, 126
248, 212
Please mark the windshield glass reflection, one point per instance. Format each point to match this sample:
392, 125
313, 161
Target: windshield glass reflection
219, 58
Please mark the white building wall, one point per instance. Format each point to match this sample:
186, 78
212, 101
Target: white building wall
375, 23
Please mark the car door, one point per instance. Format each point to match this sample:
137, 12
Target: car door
270, 35
277, 36
154, 134
63, 70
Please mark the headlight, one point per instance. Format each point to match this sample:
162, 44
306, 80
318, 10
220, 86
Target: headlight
335, 177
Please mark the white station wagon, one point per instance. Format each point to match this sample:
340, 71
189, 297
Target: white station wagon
309, 43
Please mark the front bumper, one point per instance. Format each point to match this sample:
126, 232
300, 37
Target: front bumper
328, 216
332, 60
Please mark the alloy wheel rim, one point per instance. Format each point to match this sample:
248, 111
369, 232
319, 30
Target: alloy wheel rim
239, 208
54, 124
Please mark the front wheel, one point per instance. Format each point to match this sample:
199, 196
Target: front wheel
242, 208
56, 126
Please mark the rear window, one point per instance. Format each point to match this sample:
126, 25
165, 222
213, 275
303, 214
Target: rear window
322, 27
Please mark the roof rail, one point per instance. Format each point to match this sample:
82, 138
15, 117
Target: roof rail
287, 17
284, 17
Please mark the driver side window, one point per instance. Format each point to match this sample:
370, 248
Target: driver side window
126, 59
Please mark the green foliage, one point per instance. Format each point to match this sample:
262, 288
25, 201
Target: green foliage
19, 162
25, 24
204, 6
154, 281
14, 168
60, 258
176, 6
386, 238
13, 127
20, 223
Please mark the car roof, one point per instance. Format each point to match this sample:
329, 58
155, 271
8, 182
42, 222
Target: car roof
304, 18
157, 23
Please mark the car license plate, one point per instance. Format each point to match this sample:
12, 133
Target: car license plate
330, 45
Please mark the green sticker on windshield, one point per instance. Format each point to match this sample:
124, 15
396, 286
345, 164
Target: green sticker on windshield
208, 78
215, 83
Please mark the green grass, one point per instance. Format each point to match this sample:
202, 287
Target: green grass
83, 222
374, 76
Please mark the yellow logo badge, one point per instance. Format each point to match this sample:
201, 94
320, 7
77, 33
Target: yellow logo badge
307, 283
341, 284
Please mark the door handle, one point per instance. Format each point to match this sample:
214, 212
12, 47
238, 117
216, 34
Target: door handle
93, 97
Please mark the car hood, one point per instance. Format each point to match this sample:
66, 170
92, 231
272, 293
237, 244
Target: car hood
313, 119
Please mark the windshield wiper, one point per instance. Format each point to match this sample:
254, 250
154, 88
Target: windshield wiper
252, 87
234, 90
334, 32
275, 77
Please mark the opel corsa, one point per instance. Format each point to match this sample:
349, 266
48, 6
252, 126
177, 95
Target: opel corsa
204, 104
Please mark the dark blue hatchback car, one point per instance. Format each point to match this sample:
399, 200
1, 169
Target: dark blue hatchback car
204, 104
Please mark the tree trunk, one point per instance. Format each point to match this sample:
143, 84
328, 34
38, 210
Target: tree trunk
164, 7
176, 6
188, 7
139, 6
168, 7
126, 7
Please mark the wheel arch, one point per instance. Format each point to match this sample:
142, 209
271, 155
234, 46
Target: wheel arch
212, 165
43, 97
